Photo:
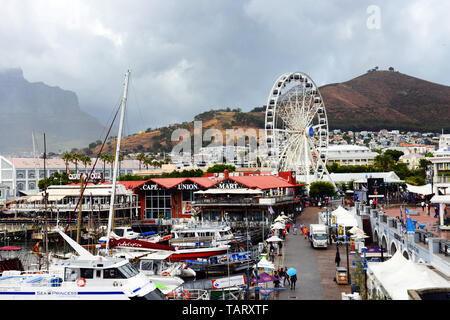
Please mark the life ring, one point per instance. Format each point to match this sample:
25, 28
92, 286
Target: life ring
81, 282
186, 294
165, 274
184, 266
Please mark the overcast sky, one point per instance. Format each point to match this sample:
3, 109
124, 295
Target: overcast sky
191, 56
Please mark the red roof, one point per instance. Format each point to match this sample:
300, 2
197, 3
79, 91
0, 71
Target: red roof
10, 248
262, 182
168, 182
131, 184
203, 181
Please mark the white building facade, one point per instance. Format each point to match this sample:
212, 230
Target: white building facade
22, 175
350, 155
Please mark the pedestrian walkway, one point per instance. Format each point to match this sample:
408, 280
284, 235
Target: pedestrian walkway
315, 267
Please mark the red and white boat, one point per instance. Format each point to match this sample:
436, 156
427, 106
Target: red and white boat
177, 254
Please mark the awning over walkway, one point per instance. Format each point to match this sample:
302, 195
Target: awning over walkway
441, 199
229, 191
425, 190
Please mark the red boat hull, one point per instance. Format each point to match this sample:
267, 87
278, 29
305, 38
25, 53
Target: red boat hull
194, 254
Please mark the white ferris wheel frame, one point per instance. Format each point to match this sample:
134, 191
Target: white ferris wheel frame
292, 147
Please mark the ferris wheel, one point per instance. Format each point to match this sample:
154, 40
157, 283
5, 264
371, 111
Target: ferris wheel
296, 127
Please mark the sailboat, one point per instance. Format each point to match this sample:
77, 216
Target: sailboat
84, 277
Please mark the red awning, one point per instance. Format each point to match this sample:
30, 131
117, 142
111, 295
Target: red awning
262, 182
10, 248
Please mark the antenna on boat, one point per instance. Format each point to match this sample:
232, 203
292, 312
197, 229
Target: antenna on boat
116, 160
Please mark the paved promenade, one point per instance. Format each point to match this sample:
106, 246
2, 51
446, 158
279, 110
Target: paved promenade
315, 267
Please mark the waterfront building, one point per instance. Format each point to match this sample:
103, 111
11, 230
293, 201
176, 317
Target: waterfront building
441, 180
22, 175
444, 141
233, 196
350, 155
63, 200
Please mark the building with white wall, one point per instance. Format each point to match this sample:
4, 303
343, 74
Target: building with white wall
350, 155
22, 175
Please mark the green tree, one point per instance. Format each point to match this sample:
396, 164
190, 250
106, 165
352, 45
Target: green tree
67, 158
384, 162
321, 189
140, 157
220, 167
395, 154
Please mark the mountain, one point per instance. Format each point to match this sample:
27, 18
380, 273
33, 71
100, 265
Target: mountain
387, 100
27, 107
373, 101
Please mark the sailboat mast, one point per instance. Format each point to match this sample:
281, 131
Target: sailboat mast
116, 159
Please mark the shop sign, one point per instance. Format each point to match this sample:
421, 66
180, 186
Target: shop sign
187, 186
93, 176
151, 187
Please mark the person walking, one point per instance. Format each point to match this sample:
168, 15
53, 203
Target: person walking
422, 204
286, 278
282, 276
295, 228
337, 260
288, 226
293, 281
280, 246
428, 208
436, 211
305, 232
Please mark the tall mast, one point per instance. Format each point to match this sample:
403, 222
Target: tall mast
116, 159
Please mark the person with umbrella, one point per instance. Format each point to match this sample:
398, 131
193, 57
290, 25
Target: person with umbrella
292, 273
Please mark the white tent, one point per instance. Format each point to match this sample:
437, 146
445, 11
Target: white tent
425, 190
278, 225
397, 275
274, 239
344, 217
264, 263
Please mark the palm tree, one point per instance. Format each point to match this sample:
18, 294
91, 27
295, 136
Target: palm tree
67, 157
147, 162
75, 159
104, 157
86, 160
140, 157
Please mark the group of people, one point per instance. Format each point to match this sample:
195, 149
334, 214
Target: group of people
283, 277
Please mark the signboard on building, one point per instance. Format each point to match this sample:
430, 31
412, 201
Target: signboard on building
229, 184
188, 186
375, 187
95, 176
150, 186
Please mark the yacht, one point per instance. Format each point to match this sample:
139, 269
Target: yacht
84, 277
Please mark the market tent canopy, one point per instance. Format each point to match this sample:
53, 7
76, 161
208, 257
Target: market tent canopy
264, 263
441, 199
278, 225
344, 217
397, 275
274, 239
425, 190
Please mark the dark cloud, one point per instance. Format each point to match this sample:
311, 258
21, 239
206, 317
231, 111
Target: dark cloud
190, 56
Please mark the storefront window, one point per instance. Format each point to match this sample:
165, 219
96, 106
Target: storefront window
158, 204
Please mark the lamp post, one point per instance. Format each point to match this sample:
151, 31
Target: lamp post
348, 261
365, 271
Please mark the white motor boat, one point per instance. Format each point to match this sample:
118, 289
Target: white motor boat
86, 277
